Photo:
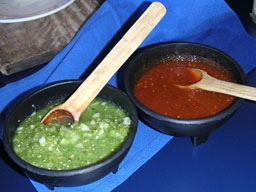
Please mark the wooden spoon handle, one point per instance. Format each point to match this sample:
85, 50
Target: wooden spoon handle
90, 88
212, 84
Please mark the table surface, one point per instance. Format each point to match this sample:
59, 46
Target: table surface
226, 162
22, 49
28, 44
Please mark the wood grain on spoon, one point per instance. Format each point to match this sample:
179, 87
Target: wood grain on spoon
90, 88
210, 83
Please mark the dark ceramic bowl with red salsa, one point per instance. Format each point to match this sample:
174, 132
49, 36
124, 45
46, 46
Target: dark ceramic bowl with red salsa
151, 80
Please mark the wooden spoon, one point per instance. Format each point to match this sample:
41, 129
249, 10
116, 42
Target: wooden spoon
210, 83
72, 108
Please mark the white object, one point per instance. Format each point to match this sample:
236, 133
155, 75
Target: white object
42, 141
253, 13
254, 7
12, 11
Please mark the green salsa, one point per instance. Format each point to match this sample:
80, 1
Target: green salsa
101, 130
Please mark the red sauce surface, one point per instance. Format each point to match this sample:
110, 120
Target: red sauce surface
157, 89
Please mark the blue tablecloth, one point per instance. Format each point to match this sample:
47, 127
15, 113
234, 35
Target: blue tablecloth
208, 22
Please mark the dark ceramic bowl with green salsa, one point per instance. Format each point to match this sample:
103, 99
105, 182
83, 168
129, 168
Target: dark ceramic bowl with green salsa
57, 92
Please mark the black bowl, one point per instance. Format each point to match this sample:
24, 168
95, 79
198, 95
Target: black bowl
197, 129
56, 92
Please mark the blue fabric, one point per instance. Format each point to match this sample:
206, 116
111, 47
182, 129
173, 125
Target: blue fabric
208, 22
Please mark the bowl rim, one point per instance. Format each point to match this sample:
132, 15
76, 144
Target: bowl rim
78, 171
146, 50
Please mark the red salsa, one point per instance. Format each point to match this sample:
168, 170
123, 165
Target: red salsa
157, 89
